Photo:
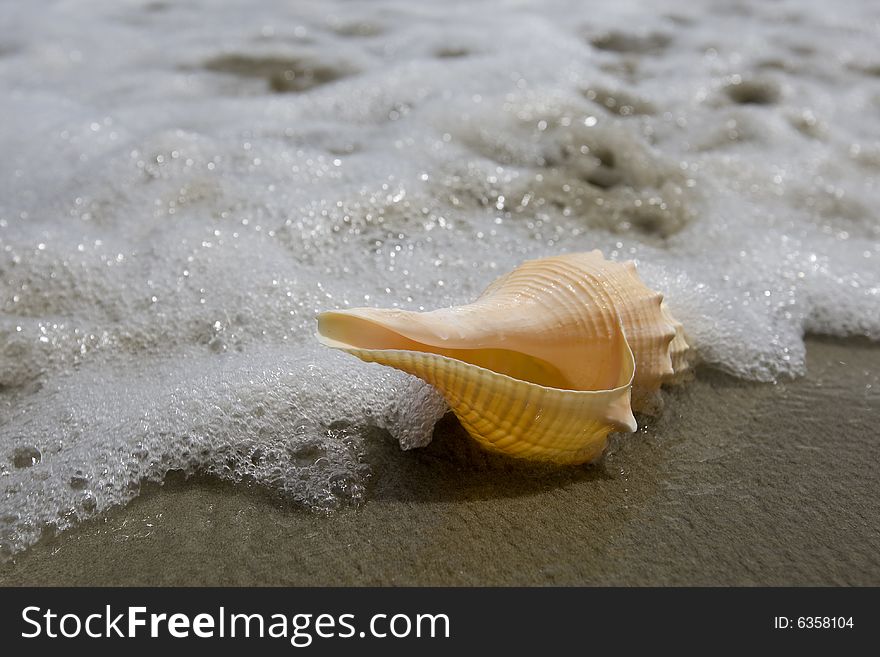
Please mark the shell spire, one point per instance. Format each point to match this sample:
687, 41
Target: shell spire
543, 365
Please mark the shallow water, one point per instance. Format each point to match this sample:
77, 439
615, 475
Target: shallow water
184, 186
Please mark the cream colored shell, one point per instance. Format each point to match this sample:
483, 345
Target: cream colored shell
543, 364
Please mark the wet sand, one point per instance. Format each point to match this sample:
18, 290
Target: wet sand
735, 483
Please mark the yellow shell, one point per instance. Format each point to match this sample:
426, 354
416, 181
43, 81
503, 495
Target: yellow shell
543, 365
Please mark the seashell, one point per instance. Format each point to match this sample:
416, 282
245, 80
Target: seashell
543, 365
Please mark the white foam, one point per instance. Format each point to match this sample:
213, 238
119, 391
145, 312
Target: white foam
184, 186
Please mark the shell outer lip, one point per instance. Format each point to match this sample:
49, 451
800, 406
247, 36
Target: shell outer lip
335, 344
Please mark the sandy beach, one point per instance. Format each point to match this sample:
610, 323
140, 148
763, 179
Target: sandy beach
736, 483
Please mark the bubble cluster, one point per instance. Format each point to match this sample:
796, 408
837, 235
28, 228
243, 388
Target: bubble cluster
183, 187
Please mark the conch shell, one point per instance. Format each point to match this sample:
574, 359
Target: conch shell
543, 365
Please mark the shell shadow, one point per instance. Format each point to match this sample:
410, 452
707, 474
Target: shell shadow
454, 468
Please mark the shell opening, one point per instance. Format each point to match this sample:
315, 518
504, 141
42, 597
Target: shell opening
349, 331
344, 330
